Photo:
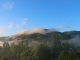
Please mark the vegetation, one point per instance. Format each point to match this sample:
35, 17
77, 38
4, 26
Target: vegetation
42, 51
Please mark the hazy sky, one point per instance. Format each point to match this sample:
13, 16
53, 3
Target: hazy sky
16, 15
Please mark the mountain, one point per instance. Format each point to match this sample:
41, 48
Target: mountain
40, 34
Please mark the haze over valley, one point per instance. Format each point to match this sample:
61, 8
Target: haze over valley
69, 36
39, 30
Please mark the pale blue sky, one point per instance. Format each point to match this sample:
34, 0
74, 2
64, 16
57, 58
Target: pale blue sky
16, 15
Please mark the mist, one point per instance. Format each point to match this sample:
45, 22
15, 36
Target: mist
37, 30
75, 40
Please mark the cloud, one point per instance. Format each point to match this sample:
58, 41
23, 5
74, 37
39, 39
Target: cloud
8, 5
37, 30
2, 30
75, 40
10, 25
18, 27
67, 26
60, 27
24, 21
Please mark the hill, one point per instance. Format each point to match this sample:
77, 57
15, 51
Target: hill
41, 35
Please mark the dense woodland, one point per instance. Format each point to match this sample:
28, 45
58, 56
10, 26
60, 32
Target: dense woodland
42, 51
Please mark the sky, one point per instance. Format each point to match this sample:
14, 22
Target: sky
16, 15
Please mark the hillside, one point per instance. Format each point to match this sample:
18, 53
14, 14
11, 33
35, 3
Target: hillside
40, 34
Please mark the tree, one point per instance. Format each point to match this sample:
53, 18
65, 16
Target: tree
6, 46
5, 50
4, 58
56, 40
72, 55
67, 55
67, 46
25, 51
35, 52
78, 52
56, 44
64, 55
24, 55
44, 52
41, 52
13, 50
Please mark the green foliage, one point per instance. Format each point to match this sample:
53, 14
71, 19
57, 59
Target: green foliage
12, 48
35, 51
44, 52
56, 40
4, 58
78, 52
67, 55
24, 55
67, 46
56, 44
41, 51
35, 36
